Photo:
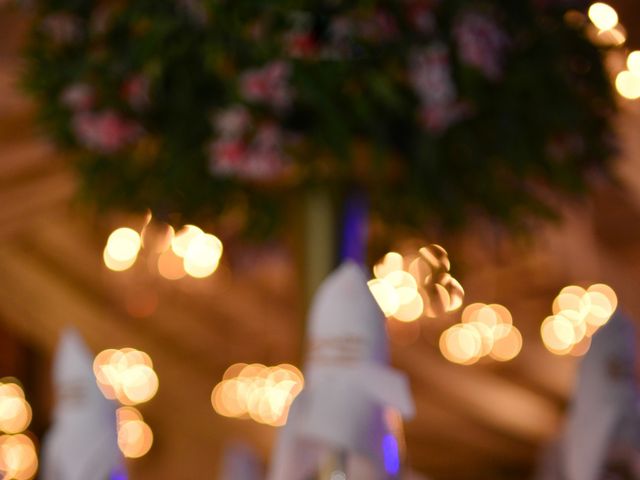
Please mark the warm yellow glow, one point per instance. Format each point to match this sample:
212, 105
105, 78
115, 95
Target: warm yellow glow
182, 239
486, 337
456, 294
558, 334
425, 285
123, 244
203, 255
633, 62
117, 265
439, 300
391, 262
578, 314
461, 344
385, 295
139, 384
570, 298
419, 269
507, 343
410, 311
157, 236
628, 85
135, 438
170, 266
581, 348
15, 414
436, 257
256, 391
603, 16
126, 375
18, 458
15, 411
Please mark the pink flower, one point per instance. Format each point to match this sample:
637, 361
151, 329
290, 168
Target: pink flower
265, 159
104, 132
232, 122
481, 43
430, 75
62, 28
226, 157
438, 118
136, 91
269, 84
262, 159
78, 96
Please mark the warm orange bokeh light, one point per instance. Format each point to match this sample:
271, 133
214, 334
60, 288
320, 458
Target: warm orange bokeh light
170, 265
202, 256
603, 16
135, 438
493, 326
15, 411
126, 375
18, 458
255, 391
424, 288
577, 315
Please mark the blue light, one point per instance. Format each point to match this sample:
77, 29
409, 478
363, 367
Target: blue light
354, 229
390, 454
118, 474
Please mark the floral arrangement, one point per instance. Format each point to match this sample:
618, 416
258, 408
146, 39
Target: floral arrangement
227, 111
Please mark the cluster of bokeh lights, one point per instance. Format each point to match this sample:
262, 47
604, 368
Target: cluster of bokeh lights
408, 288
135, 437
608, 31
577, 315
256, 391
127, 375
18, 458
190, 251
485, 330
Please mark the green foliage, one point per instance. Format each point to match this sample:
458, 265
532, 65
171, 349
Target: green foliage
438, 110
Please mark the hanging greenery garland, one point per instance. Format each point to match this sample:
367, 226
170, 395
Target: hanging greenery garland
232, 108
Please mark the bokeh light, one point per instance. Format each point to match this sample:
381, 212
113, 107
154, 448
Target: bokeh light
18, 457
157, 236
15, 411
117, 265
170, 265
409, 288
386, 296
182, 239
126, 375
256, 391
203, 255
391, 262
603, 16
633, 62
485, 330
135, 437
461, 344
122, 246
577, 314
628, 85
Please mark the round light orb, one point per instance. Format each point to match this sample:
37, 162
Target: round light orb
603, 16
135, 438
628, 85
123, 244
